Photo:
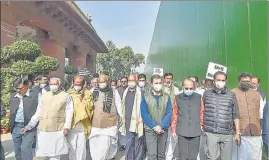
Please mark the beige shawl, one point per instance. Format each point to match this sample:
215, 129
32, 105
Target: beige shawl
136, 124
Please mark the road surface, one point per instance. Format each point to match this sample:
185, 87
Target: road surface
10, 155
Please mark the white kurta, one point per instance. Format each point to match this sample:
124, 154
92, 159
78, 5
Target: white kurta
103, 143
51, 144
171, 141
77, 143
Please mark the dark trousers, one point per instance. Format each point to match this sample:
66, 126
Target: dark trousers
187, 148
156, 144
22, 144
134, 147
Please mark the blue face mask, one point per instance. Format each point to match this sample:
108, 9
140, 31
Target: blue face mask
188, 92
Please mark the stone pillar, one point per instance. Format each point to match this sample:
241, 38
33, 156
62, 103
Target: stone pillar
77, 59
53, 49
91, 63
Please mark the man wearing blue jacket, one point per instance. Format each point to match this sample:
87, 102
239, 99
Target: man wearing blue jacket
156, 112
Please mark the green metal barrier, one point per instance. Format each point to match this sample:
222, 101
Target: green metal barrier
188, 35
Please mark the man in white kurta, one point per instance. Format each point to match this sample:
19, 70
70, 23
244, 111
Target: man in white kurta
104, 133
54, 114
172, 91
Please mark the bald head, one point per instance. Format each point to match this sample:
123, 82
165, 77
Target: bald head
132, 81
188, 84
132, 77
103, 79
79, 80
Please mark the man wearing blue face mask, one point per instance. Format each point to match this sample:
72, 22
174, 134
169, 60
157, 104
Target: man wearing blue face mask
186, 125
221, 115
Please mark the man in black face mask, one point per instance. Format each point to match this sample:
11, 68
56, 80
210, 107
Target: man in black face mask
251, 113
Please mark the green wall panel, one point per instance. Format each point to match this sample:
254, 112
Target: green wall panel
187, 35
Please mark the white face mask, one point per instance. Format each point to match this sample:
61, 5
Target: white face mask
42, 85
220, 85
102, 85
77, 88
131, 84
113, 87
141, 84
157, 87
54, 88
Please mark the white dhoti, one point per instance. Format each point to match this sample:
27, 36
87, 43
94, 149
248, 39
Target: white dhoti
250, 148
103, 143
171, 145
77, 142
51, 144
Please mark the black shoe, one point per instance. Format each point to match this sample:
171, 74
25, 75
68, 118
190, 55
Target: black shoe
121, 148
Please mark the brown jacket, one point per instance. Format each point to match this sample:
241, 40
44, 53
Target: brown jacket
102, 119
249, 108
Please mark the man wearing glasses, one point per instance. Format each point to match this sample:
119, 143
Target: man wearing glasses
124, 85
23, 105
251, 107
187, 121
221, 115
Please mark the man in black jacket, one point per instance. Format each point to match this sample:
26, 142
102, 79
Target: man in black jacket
23, 104
221, 114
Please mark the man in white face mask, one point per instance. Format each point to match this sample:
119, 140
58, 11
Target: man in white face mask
172, 91
132, 123
104, 133
220, 129
142, 83
54, 114
81, 123
156, 112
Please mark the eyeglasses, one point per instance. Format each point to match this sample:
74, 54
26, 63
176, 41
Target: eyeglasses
188, 88
20, 88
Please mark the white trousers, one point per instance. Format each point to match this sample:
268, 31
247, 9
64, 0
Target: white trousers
77, 143
250, 148
103, 147
170, 146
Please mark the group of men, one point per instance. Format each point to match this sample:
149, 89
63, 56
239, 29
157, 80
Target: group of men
155, 121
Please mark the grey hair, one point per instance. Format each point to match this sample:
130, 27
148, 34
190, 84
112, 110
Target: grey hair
94, 79
58, 79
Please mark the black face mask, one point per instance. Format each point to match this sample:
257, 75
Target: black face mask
244, 86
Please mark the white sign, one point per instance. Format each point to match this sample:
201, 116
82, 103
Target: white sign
158, 71
213, 68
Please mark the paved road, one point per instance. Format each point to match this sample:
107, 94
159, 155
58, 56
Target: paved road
10, 155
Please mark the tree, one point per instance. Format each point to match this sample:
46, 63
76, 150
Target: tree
119, 62
20, 59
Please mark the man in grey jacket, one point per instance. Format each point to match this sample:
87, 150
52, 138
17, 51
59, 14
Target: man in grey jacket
3, 115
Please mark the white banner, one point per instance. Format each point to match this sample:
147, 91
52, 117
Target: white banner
213, 68
158, 71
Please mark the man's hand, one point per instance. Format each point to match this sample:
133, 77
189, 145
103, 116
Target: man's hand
158, 129
202, 129
23, 131
66, 132
237, 139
